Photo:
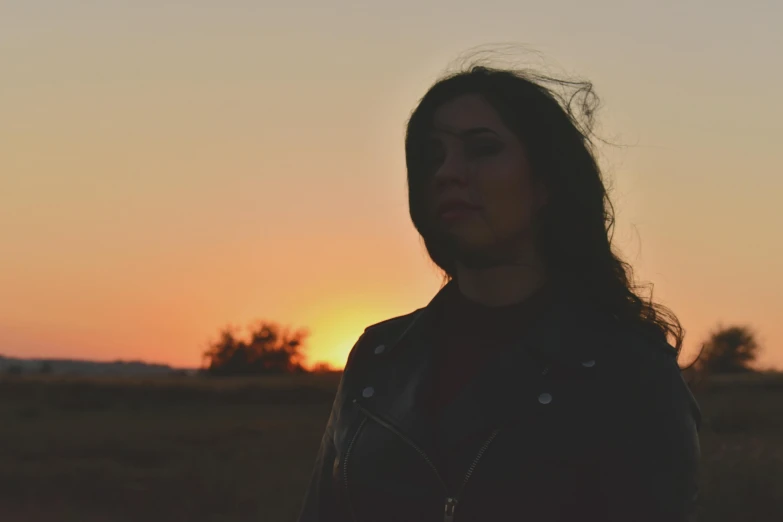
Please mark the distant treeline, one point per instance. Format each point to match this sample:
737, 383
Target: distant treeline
19, 366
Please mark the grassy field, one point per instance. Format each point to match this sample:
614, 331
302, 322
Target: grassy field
184, 448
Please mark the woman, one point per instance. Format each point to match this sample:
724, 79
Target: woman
536, 385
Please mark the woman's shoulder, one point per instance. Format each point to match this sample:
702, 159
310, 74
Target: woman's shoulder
378, 337
644, 366
392, 324
640, 350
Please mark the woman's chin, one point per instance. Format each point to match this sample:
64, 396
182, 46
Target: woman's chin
471, 246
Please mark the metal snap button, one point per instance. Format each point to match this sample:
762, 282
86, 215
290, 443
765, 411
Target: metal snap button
588, 364
380, 349
545, 398
368, 392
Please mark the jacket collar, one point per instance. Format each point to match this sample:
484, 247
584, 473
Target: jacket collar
571, 318
568, 335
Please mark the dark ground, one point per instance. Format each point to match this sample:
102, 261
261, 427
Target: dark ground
191, 449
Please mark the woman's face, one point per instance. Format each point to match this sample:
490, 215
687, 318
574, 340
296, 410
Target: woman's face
473, 157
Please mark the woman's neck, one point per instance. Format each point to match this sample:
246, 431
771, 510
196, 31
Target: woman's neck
499, 285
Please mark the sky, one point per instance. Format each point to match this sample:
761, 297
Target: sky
171, 168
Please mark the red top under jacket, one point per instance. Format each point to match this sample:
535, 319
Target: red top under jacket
466, 336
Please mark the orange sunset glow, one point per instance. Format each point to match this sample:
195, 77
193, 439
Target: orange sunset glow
165, 174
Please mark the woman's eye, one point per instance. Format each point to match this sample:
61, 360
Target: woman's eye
430, 155
484, 148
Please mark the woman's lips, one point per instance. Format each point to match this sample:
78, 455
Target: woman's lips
456, 213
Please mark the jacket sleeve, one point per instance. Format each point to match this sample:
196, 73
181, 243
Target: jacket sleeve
320, 503
649, 469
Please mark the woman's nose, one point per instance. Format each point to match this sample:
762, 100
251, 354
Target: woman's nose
452, 170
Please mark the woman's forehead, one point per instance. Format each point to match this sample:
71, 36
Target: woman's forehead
461, 116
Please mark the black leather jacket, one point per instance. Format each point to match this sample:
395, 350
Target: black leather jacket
587, 420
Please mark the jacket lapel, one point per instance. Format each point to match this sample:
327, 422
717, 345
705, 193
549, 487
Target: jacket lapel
400, 378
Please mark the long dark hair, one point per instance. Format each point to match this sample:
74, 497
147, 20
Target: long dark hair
574, 229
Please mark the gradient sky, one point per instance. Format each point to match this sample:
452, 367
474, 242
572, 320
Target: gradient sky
168, 168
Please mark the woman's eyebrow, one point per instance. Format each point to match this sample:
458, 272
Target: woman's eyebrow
467, 132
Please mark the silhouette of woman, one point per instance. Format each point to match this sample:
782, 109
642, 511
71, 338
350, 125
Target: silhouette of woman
537, 384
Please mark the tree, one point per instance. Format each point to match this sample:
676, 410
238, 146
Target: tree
323, 367
269, 349
729, 350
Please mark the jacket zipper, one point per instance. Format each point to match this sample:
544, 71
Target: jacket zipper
451, 501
